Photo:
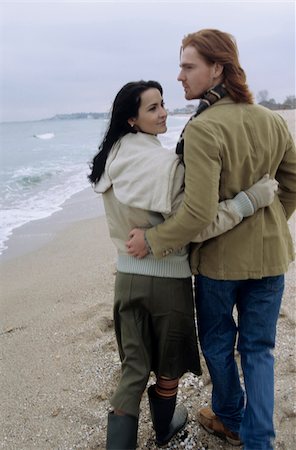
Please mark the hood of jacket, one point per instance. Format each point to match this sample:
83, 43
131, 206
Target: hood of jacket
141, 172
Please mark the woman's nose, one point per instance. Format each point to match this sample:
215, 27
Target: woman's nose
163, 112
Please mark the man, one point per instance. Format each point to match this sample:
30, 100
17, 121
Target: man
227, 146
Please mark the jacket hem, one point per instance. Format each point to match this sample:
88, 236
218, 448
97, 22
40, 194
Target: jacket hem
251, 274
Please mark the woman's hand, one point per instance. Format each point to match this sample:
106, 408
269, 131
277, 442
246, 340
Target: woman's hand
263, 192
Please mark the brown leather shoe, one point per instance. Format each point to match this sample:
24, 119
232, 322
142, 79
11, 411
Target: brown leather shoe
212, 424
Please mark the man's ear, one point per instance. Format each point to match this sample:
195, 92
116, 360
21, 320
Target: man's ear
218, 70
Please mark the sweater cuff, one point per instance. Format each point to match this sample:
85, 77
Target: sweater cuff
243, 204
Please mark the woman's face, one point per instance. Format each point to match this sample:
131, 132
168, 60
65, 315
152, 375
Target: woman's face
151, 115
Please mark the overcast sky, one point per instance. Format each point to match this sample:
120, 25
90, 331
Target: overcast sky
66, 56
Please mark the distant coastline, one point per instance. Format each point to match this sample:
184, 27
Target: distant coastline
188, 109
105, 115
81, 115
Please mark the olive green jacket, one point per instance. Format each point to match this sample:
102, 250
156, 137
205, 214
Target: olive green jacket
227, 148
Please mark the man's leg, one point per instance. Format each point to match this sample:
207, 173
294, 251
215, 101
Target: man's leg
258, 308
215, 300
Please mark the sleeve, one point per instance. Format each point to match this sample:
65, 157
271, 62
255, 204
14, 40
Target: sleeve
286, 176
227, 218
177, 194
201, 193
230, 212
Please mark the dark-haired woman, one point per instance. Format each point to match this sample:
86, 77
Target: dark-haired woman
142, 183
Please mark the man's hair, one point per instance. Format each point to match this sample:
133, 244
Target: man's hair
219, 47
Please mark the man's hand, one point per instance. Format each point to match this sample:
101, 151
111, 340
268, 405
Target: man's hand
136, 246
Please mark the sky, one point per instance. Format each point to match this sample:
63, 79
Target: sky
64, 56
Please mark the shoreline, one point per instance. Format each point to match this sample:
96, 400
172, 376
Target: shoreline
33, 235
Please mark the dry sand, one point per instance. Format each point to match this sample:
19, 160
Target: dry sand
59, 362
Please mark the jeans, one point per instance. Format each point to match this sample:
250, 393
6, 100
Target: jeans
258, 303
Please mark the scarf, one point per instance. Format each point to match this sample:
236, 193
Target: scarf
208, 99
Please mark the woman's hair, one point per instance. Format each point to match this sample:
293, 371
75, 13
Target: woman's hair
125, 106
218, 47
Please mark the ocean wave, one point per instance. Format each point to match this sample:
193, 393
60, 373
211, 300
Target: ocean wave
29, 177
44, 136
36, 182
21, 183
29, 180
25, 208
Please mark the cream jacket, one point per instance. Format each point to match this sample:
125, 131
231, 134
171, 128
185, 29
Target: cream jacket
142, 185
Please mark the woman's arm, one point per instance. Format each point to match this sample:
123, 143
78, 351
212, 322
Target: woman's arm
244, 204
230, 213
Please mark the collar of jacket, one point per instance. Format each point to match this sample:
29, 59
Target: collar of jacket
227, 100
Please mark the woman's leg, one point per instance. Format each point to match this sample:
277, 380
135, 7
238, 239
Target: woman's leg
166, 388
175, 352
131, 322
122, 431
167, 419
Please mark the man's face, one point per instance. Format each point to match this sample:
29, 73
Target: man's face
196, 75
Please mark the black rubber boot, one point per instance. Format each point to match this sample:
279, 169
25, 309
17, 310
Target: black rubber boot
167, 419
122, 432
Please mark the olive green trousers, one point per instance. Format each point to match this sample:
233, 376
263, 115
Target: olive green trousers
155, 331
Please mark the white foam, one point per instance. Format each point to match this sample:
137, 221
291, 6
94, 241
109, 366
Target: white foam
44, 136
42, 204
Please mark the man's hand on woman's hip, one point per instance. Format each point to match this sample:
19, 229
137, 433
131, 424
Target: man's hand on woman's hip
136, 245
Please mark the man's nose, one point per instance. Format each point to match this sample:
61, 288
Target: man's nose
180, 77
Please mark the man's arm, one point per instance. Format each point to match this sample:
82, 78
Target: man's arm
230, 213
201, 195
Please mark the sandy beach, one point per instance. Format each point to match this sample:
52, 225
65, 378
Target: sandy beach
59, 361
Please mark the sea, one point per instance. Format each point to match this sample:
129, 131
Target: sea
44, 163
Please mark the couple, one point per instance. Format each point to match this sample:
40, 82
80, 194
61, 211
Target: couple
169, 200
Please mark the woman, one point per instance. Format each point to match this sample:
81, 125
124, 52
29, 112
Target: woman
142, 183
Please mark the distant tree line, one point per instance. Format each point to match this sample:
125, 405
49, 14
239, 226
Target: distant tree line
264, 100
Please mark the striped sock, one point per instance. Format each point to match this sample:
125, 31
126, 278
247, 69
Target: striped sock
166, 388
